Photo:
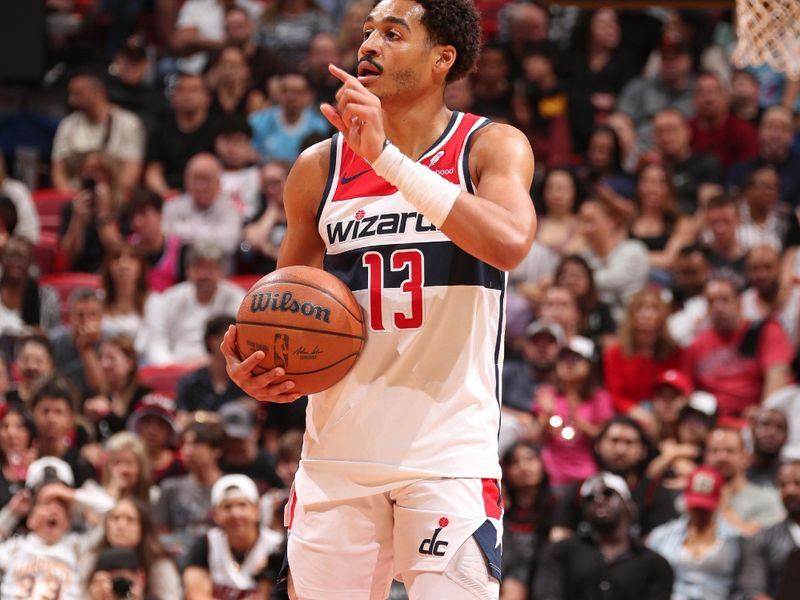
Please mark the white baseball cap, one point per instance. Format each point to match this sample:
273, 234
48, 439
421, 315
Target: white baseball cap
234, 486
48, 469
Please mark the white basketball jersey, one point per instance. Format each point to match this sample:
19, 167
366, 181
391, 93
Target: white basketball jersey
423, 399
230, 580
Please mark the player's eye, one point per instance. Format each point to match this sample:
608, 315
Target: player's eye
392, 35
367, 33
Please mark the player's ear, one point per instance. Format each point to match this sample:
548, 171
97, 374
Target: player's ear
444, 60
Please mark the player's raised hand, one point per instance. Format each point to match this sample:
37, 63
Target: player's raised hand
260, 387
357, 115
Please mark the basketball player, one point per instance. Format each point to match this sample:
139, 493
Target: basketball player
420, 211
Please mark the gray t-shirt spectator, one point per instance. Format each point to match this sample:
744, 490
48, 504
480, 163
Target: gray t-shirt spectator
621, 274
183, 512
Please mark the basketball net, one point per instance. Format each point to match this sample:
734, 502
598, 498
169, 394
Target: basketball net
768, 31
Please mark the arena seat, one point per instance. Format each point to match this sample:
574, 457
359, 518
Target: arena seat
245, 281
164, 379
49, 203
66, 283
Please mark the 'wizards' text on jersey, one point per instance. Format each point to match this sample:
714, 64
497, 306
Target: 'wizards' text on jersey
423, 400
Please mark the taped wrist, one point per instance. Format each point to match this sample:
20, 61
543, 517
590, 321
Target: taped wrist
432, 195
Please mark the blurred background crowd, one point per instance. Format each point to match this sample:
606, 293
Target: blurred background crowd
650, 436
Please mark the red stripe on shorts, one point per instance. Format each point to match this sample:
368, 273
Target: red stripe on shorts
492, 502
291, 509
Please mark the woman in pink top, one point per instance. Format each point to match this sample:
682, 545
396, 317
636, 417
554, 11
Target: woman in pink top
571, 413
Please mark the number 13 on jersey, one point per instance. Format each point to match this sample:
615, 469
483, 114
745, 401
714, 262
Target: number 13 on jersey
412, 262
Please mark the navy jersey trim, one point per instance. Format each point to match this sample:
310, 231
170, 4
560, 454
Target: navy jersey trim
486, 537
439, 140
498, 344
331, 175
465, 158
445, 264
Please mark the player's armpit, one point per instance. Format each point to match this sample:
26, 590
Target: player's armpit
303, 192
498, 223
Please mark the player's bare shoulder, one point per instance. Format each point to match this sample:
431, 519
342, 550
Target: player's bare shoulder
308, 178
502, 147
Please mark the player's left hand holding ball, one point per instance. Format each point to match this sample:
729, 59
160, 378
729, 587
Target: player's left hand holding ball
357, 115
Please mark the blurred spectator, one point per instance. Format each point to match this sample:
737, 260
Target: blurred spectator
53, 407
745, 89
117, 571
644, 351
89, 226
232, 91
96, 125
323, 50
128, 83
27, 215
458, 95
765, 299
776, 132
24, 304
689, 171
620, 265
598, 70
164, 254
559, 306
604, 555
264, 233
48, 556
643, 97
175, 336
558, 227
684, 451
538, 353
208, 388
183, 512
491, 84
715, 129
764, 218
122, 390
127, 472
129, 525
628, 137
34, 361
240, 32
237, 535
602, 174
75, 345
702, 547
526, 518
289, 449
738, 361
279, 131
524, 24
658, 222
769, 431
351, 33
670, 395
726, 253
621, 447
154, 421
203, 213
126, 297
571, 413
692, 269
240, 180
540, 107
764, 564
746, 506
786, 400
183, 131
200, 28
288, 26
241, 452
596, 321
17, 435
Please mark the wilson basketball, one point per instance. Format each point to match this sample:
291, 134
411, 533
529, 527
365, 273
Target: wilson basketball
306, 321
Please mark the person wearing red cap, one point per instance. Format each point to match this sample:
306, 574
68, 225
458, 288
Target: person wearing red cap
702, 547
671, 394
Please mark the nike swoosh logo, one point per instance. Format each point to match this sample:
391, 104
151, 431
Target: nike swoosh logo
346, 180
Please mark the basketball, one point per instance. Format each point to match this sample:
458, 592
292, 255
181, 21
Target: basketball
306, 321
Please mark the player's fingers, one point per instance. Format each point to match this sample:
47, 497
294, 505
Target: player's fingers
228, 344
333, 116
341, 74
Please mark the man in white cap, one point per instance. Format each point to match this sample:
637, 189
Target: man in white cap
603, 554
48, 557
233, 559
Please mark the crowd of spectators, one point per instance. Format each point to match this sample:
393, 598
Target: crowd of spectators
650, 438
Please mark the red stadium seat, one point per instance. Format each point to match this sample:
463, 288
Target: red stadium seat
48, 205
164, 379
66, 283
245, 281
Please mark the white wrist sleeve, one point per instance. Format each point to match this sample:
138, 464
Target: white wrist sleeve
432, 195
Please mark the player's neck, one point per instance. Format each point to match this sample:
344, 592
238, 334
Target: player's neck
414, 127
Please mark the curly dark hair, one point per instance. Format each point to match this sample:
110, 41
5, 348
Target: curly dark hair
455, 23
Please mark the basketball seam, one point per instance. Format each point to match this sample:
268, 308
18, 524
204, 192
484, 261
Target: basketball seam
334, 364
297, 328
319, 289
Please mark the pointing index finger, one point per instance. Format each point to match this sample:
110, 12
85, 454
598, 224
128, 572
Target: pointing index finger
340, 74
